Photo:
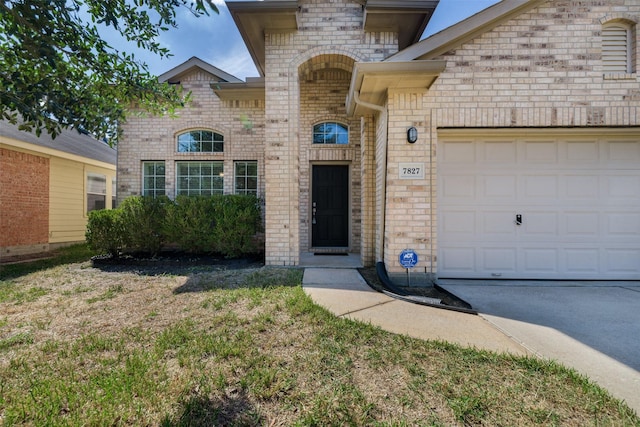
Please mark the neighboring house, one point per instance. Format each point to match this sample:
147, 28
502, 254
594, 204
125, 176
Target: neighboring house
47, 186
506, 146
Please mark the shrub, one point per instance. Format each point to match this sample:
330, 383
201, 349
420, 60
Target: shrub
237, 221
190, 224
105, 231
144, 223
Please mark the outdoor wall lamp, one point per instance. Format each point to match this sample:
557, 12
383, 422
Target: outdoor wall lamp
412, 135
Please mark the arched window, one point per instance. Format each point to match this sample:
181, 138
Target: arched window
330, 133
200, 141
617, 47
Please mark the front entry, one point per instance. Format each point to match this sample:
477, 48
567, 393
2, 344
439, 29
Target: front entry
330, 206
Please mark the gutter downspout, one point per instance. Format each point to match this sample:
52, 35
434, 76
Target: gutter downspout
383, 208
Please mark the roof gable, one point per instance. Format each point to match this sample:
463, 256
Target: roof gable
175, 74
468, 29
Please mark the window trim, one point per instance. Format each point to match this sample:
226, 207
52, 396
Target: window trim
246, 176
102, 192
215, 141
155, 176
219, 177
325, 134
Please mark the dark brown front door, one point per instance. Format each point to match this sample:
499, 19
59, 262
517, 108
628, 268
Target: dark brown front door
330, 206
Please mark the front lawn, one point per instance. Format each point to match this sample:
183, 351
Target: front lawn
221, 346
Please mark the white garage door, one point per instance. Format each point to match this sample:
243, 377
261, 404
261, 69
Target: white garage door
544, 207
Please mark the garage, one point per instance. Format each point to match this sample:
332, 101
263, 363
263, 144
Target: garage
539, 204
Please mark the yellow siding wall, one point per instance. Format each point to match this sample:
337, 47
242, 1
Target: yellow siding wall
68, 199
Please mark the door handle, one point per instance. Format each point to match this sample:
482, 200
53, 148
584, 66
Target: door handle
313, 213
518, 219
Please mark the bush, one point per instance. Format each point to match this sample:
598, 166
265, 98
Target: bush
144, 223
190, 223
237, 220
226, 225
105, 231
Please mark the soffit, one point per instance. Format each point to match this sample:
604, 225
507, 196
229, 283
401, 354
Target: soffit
253, 89
371, 81
255, 18
408, 18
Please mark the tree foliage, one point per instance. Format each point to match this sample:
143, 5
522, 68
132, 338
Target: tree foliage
58, 72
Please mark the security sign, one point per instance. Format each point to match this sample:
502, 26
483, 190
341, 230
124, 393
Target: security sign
408, 258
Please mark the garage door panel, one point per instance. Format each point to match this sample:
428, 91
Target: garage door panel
499, 152
623, 152
461, 223
622, 261
498, 223
460, 152
582, 225
579, 200
582, 154
539, 225
582, 262
623, 224
625, 187
537, 261
459, 260
461, 187
582, 187
499, 261
499, 187
539, 187
540, 152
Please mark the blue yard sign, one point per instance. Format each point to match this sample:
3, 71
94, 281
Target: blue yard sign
408, 258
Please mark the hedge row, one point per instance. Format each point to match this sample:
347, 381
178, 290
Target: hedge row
225, 225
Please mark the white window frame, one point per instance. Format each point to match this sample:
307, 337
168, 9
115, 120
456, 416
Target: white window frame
245, 179
197, 183
155, 191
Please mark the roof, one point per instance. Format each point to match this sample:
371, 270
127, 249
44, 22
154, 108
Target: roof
69, 141
416, 66
175, 74
408, 18
468, 29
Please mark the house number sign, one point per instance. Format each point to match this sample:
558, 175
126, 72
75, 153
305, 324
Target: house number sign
411, 170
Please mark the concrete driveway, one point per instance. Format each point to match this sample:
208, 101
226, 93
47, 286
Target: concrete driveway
593, 327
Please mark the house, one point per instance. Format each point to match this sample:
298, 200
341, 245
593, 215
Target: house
506, 146
47, 186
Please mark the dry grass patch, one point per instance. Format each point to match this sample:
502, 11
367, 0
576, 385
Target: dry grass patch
83, 346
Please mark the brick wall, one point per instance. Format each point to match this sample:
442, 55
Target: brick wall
24, 200
541, 69
330, 37
155, 138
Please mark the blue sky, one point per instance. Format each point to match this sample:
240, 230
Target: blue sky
215, 39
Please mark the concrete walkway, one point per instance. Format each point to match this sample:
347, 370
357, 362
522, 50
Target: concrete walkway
345, 293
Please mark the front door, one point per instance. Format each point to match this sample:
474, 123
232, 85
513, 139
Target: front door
330, 206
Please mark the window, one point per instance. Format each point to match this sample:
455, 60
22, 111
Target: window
617, 48
153, 179
330, 133
246, 177
96, 192
200, 141
199, 178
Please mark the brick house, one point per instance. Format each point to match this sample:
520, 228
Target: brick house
506, 146
47, 187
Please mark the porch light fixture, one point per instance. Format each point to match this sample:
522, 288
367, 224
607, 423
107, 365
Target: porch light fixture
412, 135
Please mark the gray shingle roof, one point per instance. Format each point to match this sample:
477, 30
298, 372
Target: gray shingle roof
69, 141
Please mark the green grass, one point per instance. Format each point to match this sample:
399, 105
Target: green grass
254, 349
